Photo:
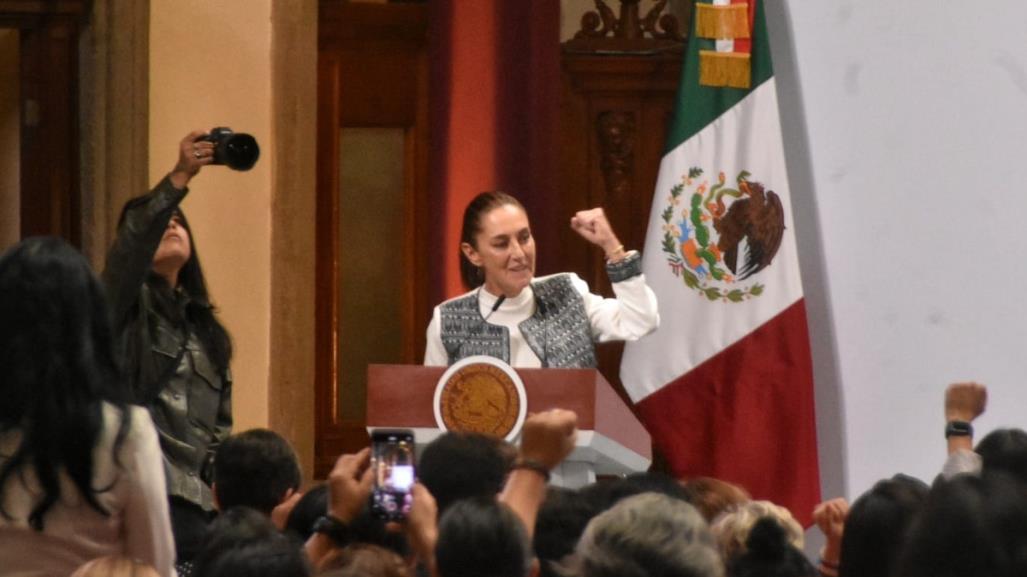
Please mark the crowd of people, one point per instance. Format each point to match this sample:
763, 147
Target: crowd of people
116, 457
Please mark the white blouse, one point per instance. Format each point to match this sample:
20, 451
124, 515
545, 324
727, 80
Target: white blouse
630, 316
138, 525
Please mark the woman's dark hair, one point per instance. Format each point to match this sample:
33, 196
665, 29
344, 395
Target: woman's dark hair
480, 537
244, 543
561, 520
311, 505
970, 527
769, 554
1004, 450
58, 366
200, 313
481, 205
877, 526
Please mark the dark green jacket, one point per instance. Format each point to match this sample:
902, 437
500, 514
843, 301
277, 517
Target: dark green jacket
189, 398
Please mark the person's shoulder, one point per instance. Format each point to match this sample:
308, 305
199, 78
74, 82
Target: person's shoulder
559, 280
457, 301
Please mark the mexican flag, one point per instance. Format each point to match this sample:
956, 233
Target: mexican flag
725, 386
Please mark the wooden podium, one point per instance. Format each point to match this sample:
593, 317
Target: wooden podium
611, 441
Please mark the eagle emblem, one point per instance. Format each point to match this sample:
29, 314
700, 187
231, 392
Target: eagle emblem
717, 237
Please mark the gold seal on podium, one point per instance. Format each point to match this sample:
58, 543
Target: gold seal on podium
481, 395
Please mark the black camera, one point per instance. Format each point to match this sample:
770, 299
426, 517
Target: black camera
236, 150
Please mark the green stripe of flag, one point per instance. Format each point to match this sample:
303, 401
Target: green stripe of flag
697, 106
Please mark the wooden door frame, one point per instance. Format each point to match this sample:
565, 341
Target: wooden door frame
49, 185
340, 25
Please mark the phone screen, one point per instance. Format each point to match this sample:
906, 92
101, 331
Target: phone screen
392, 457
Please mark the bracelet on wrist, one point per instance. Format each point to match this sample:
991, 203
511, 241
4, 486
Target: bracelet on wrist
958, 429
616, 254
334, 528
532, 465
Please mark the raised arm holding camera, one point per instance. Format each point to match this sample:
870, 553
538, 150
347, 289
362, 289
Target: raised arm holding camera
175, 351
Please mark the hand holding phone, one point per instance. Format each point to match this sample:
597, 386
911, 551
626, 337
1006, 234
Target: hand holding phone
392, 463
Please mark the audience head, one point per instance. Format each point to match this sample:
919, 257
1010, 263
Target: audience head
970, 527
255, 468
732, 527
644, 535
57, 361
877, 526
713, 496
480, 537
311, 505
768, 553
460, 465
560, 523
242, 542
362, 560
1004, 450
605, 494
115, 566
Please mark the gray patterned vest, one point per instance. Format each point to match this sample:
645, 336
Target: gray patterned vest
559, 332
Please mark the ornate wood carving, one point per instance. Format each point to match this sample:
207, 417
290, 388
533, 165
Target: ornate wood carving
602, 31
616, 130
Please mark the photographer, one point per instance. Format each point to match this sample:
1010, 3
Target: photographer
174, 350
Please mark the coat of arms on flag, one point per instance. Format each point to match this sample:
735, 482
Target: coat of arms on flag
723, 235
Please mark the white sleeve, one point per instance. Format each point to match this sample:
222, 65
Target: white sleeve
434, 352
961, 461
630, 316
148, 534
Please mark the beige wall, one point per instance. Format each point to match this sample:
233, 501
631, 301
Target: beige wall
10, 125
210, 65
249, 65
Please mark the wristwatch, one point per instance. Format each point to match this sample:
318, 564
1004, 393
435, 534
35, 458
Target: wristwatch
958, 429
333, 528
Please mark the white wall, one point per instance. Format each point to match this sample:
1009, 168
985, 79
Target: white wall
905, 125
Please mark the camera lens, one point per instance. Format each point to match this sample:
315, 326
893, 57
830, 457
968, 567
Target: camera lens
239, 151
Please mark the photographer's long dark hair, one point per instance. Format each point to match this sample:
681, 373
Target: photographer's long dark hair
199, 316
58, 367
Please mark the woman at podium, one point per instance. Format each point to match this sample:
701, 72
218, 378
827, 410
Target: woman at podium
551, 321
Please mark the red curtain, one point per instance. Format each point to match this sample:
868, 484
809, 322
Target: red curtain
494, 101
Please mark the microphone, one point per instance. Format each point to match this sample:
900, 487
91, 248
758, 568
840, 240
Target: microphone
495, 307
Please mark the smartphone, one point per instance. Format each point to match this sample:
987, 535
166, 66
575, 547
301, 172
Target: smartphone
392, 460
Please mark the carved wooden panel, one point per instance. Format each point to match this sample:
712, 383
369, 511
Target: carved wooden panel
615, 110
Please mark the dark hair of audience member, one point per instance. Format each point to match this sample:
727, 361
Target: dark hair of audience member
460, 465
481, 537
713, 496
58, 365
877, 526
769, 554
305, 513
255, 468
1004, 450
561, 521
242, 542
605, 494
970, 527
362, 560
